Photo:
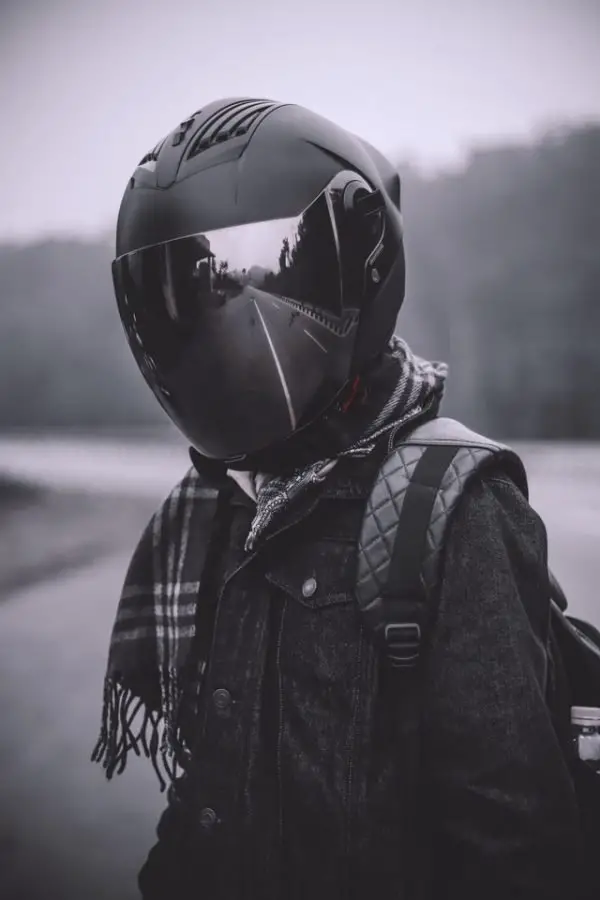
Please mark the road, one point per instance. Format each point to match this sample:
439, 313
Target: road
65, 832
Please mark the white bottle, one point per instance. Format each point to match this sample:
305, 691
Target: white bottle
585, 724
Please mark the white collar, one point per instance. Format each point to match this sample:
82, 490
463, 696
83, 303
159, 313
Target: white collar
250, 482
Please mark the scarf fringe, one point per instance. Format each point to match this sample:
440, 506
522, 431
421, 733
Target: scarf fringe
157, 736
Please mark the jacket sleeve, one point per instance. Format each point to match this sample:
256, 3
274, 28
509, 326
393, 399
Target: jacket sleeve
502, 803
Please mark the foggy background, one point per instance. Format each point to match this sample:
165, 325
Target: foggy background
490, 110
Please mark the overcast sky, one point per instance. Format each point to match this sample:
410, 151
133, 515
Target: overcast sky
88, 86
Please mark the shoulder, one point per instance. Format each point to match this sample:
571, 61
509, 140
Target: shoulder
192, 488
188, 503
188, 494
495, 563
493, 508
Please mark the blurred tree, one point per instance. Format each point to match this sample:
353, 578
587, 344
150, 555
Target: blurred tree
504, 283
64, 358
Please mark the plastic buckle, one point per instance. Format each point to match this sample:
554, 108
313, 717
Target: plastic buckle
403, 643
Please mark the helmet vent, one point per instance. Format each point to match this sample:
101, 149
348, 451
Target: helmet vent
231, 121
149, 160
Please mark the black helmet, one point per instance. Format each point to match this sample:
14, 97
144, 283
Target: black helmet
259, 269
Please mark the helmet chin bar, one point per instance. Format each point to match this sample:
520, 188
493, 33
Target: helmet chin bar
335, 430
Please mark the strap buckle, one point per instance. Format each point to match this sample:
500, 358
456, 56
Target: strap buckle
403, 644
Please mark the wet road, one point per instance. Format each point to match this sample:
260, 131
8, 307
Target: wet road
65, 832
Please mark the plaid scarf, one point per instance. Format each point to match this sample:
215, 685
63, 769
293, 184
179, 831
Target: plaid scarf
158, 654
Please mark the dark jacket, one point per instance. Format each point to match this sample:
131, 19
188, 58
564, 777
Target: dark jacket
310, 782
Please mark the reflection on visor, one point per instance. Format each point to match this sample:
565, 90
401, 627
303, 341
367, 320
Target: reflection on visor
316, 262
295, 259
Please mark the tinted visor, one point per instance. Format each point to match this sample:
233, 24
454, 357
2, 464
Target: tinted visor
245, 334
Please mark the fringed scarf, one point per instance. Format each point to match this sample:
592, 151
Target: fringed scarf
157, 655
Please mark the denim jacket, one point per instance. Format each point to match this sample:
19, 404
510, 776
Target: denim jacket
314, 774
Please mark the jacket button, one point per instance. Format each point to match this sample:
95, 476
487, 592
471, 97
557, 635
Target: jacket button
222, 699
207, 818
309, 587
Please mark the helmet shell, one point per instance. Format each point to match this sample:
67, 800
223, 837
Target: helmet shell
240, 161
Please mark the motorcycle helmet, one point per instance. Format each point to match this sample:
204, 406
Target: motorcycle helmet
259, 270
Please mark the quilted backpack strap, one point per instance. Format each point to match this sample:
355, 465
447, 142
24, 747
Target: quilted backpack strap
405, 526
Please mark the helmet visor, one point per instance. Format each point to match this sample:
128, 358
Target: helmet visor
245, 334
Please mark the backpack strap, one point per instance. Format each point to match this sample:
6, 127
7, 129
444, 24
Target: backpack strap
405, 526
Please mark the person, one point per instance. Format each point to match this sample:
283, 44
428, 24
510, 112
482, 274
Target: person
239, 663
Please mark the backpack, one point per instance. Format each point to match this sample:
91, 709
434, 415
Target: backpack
400, 550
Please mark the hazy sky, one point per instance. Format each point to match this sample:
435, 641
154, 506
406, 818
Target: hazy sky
88, 86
